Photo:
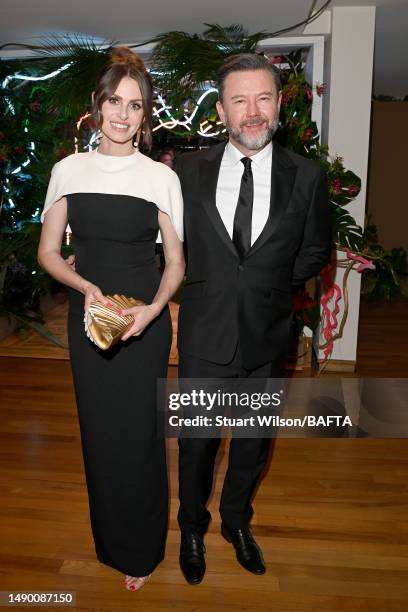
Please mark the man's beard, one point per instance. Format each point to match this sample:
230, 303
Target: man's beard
253, 143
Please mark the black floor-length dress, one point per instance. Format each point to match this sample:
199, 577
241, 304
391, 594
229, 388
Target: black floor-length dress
125, 464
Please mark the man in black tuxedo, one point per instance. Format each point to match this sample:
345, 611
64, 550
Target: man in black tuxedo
257, 224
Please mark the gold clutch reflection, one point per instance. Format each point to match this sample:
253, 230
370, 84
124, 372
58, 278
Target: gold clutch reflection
103, 325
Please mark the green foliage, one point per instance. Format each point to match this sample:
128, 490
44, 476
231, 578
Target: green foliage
389, 279
183, 64
22, 281
70, 94
306, 311
32, 138
345, 230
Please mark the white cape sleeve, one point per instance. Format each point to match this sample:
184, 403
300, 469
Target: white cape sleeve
56, 190
170, 201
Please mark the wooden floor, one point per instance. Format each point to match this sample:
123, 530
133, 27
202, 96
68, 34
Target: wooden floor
331, 515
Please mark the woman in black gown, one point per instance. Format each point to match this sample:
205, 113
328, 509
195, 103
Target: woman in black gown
116, 201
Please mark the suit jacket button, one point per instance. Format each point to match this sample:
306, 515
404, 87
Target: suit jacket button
240, 267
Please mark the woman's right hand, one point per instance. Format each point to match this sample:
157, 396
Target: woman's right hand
94, 294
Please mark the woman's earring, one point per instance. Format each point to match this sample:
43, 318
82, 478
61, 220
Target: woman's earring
99, 133
137, 138
99, 136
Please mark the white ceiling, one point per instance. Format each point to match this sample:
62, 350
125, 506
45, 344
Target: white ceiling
139, 20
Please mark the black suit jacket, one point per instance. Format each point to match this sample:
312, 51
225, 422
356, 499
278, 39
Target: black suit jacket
226, 299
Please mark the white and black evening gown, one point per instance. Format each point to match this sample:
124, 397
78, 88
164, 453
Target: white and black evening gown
113, 205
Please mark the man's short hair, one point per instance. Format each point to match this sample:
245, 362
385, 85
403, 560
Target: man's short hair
246, 61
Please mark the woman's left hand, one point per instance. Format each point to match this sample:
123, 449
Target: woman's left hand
143, 315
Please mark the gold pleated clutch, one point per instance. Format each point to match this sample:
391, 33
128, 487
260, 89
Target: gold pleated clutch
103, 325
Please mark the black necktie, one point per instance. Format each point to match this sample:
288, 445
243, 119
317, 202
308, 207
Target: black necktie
241, 236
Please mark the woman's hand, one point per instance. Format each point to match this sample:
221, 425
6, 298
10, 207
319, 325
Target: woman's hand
94, 294
143, 315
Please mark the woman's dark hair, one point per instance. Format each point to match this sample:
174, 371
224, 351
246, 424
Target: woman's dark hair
124, 63
246, 61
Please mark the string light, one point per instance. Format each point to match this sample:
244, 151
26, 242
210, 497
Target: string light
26, 77
186, 122
169, 124
78, 125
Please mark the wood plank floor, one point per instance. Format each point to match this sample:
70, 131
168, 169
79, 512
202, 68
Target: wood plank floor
331, 515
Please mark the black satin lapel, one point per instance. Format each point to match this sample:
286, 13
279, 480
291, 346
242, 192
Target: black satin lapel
209, 170
282, 181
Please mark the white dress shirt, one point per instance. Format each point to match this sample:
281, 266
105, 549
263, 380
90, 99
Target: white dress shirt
229, 183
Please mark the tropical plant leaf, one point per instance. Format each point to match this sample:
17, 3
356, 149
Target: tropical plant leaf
346, 232
40, 329
233, 38
71, 90
183, 64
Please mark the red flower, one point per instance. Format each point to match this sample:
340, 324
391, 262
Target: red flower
3, 158
335, 185
309, 94
321, 89
302, 301
307, 135
327, 276
1, 135
285, 99
61, 153
289, 93
35, 106
18, 150
353, 190
293, 122
277, 60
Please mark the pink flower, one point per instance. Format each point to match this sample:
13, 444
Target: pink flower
335, 185
353, 190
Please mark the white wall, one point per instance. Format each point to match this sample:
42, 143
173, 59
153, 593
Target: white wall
346, 127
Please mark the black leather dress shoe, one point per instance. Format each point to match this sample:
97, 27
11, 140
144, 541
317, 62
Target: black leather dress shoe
249, 555
192, 560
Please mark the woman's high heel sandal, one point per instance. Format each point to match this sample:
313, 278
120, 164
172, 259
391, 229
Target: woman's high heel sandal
136, 582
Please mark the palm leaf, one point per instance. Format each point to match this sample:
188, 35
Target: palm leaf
40, 329
186, 64
183, 63
233, 38
71, 89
